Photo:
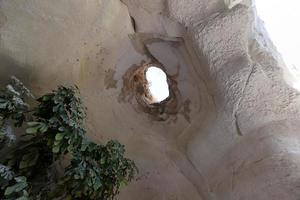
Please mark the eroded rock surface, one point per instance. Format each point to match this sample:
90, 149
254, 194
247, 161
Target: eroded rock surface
235, 133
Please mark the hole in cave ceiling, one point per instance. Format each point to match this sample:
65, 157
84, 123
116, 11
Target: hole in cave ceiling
157, 84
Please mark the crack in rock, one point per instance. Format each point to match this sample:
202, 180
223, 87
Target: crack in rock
237, 126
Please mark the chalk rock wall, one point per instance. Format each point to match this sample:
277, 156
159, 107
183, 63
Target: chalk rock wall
235, 132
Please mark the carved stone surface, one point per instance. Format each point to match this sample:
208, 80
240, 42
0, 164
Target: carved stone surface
235, 135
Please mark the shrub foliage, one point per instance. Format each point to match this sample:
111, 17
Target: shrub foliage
52, 158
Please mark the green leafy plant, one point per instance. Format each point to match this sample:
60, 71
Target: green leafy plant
55, 130
12, 104
98, 170
17, 191
12, 108
59, 116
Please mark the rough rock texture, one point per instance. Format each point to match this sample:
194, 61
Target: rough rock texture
236, 133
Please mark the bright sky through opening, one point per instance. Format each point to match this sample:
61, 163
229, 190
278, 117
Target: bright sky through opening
282, 21
157, 83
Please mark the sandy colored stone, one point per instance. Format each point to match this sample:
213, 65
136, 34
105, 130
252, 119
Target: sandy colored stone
236, 134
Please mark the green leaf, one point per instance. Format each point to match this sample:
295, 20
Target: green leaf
3, 105
102, 161
55, 149
46, 98
84, 145
70, 148
59, 136
123, 183
20, 186
56, 142
22, 198
9, 190
76, 176
15, 188
32, 130
29, 159
43, 128
2, 100
33, 123
69, 197
20, 179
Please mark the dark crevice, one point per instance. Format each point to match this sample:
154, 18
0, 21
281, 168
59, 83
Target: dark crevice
133, 23
237, 126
